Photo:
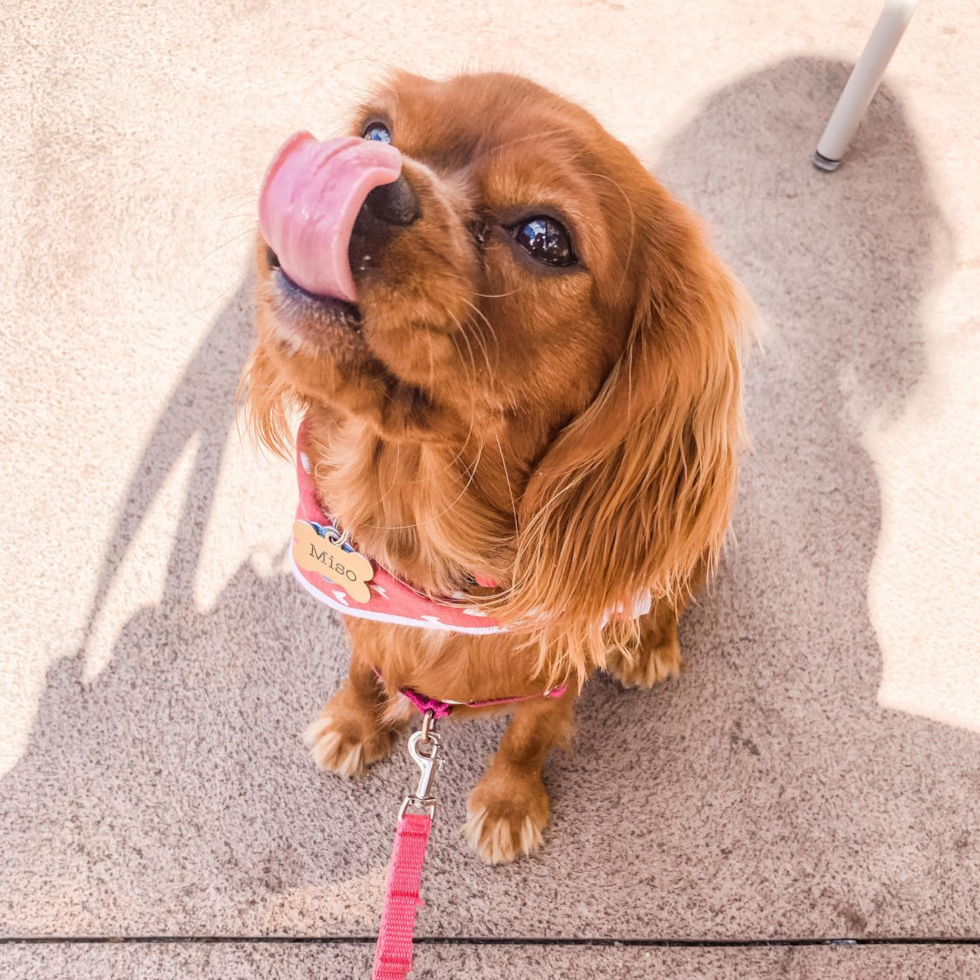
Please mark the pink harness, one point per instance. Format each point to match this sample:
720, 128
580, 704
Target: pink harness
391, 600
442, 709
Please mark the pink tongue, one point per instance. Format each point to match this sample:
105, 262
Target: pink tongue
309, 201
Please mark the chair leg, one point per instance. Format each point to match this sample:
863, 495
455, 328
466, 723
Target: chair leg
863, 83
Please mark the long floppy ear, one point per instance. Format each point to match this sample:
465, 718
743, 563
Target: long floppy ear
635, 494
265, 398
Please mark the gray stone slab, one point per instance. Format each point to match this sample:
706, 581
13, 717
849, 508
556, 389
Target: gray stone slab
281, 962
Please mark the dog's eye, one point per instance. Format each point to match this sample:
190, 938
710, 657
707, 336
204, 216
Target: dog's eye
377, 131
544, 239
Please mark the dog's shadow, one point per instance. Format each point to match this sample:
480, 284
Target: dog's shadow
755, 796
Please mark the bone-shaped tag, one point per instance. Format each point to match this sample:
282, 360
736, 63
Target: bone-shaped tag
347, 568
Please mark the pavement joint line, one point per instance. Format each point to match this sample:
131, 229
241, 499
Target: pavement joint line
493, 941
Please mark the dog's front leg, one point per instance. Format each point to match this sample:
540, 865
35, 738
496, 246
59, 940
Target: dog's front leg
508, 808
352, 730
656, 654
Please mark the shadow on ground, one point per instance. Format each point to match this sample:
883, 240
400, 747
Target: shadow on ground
764, 795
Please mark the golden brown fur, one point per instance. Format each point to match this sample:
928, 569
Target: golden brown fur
570, 435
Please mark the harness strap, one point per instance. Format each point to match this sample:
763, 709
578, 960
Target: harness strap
442, 709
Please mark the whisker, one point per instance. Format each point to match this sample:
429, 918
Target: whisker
240, 199
531, 136
462, 333
236, 283
513, 292
481, 340
482, 316
465, 334
247, 231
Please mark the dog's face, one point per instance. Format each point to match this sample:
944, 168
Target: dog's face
506, 278
517, 270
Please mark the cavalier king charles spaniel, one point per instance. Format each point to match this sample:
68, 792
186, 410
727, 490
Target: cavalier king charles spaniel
519, 364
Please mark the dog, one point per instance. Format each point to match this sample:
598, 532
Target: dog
520, 366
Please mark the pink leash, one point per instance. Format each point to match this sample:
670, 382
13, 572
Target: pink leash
393, 954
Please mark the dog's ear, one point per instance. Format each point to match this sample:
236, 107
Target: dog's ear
635, 494
264, 399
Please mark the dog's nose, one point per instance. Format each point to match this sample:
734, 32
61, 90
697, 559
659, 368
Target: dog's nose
312, 195
393, 204
387, 210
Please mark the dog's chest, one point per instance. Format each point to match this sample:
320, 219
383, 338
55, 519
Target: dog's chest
405, 506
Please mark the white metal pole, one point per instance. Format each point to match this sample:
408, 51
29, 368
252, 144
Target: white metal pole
863, 83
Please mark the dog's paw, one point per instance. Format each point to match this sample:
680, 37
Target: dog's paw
505, 820
647, 664
343, 746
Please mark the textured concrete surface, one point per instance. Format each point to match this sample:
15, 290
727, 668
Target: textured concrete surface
265, 962
814, 773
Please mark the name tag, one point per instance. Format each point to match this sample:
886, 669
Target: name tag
348, 569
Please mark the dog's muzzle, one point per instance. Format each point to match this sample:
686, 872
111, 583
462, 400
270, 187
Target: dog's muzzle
327, 206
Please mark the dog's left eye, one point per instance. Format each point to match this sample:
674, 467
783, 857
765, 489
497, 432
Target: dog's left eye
377, 131
544, 239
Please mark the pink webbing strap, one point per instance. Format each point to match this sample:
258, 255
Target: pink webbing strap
442, 709
439, 709
554, 693
393, 954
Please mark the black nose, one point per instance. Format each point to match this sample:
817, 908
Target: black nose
387, 210
394, 204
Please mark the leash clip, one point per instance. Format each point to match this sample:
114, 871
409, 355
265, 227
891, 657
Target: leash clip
429, 762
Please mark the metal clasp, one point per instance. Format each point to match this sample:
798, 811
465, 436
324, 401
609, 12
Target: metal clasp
424, 747
336, 537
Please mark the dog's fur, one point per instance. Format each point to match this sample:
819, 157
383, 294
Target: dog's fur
571, 434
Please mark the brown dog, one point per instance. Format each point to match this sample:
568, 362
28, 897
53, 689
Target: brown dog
538, 386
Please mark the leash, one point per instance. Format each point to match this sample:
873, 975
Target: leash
393, 954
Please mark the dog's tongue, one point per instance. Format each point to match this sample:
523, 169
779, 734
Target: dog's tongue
309, 202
